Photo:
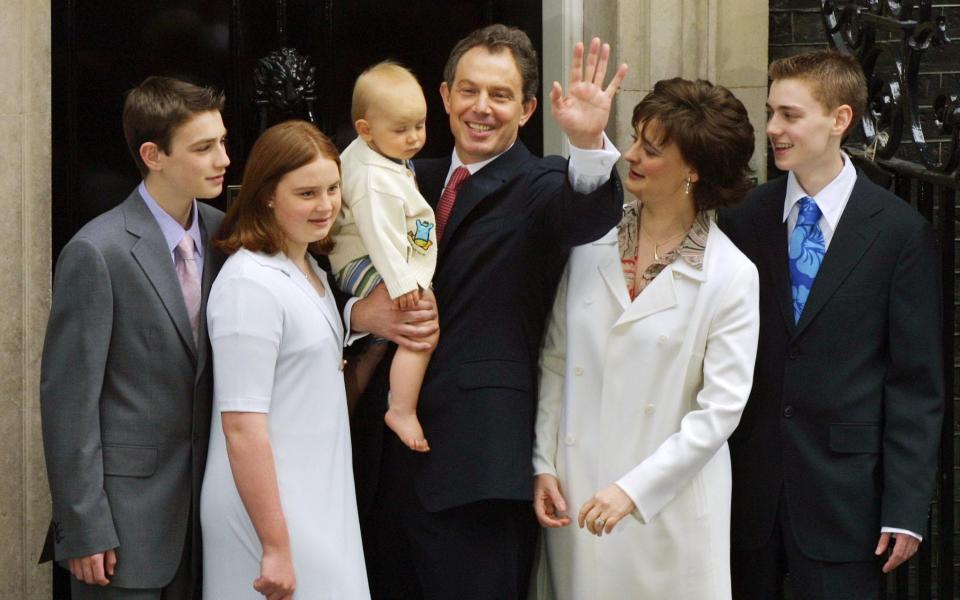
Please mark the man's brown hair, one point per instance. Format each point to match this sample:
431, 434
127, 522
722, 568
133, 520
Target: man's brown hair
834, 79
250, 222
712, 131
154, 109
496, 38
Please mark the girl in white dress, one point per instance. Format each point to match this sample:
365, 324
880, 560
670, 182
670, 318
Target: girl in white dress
278, 508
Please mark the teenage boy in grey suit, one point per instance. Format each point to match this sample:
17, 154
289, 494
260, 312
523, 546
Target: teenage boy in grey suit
126, 374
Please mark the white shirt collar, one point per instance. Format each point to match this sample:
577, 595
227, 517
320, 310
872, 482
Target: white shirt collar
455, 163
831, 199
171, 229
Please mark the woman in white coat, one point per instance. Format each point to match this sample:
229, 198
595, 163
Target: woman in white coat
646, 369
278, 507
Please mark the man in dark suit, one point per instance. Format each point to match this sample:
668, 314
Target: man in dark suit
836, 451
126, 376
457, 522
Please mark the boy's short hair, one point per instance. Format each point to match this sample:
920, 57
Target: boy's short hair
834, 79
154, 109
365, 88
496, 38
250, 222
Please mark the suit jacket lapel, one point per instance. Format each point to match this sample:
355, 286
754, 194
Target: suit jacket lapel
772, 235
481, 184
210, 268
855, 233
151, 253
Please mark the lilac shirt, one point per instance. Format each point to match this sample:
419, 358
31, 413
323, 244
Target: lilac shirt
173, 231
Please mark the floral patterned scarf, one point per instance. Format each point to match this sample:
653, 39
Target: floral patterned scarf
690, 249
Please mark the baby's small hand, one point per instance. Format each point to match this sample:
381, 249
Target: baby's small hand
409, 300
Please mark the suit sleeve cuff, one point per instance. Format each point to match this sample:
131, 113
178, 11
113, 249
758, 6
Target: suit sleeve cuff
896, 530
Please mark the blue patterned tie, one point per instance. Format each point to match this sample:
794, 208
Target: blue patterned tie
806, 251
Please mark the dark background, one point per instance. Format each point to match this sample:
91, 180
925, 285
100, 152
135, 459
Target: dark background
797, 26
103, 48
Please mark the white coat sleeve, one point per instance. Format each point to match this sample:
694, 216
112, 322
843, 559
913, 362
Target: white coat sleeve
552, 365
728, 362
245, 321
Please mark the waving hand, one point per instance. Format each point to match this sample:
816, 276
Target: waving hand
583, 111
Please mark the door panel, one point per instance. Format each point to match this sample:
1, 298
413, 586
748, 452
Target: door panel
103, 48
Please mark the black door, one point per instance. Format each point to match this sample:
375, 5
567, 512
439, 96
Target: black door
103, 48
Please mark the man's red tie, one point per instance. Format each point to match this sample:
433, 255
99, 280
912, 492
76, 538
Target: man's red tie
447, 198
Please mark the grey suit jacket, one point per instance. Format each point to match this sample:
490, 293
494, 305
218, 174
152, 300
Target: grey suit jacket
125, 396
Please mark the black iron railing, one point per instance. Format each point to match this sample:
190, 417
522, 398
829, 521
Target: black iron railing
909, 143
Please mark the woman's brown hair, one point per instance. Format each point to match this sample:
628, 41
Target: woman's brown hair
250, 222
712, 131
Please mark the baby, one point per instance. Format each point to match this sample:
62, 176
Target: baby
386, 230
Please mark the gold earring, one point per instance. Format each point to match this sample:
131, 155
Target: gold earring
687, 190
270, 204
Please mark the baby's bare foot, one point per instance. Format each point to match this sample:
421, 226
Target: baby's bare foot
408, 429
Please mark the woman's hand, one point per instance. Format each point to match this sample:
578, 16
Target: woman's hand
548, 502
277, 579
607, 507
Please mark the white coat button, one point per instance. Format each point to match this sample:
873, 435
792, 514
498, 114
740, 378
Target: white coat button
570, 440
676, 275
578, 371
648, 409
662, 340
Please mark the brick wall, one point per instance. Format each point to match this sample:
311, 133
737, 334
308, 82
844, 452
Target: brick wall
797, 26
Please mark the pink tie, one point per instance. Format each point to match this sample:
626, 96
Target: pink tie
447, 198
189, 277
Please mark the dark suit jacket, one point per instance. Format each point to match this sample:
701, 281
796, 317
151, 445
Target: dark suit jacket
499, 262
847, 404
125, 396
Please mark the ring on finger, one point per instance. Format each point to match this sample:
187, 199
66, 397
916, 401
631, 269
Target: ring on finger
599, 523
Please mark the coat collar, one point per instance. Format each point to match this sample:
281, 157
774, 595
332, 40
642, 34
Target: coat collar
282, 263
150, 252
661, 293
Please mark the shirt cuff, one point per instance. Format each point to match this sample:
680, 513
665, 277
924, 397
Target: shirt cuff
593, 163
896, 530
350, 336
